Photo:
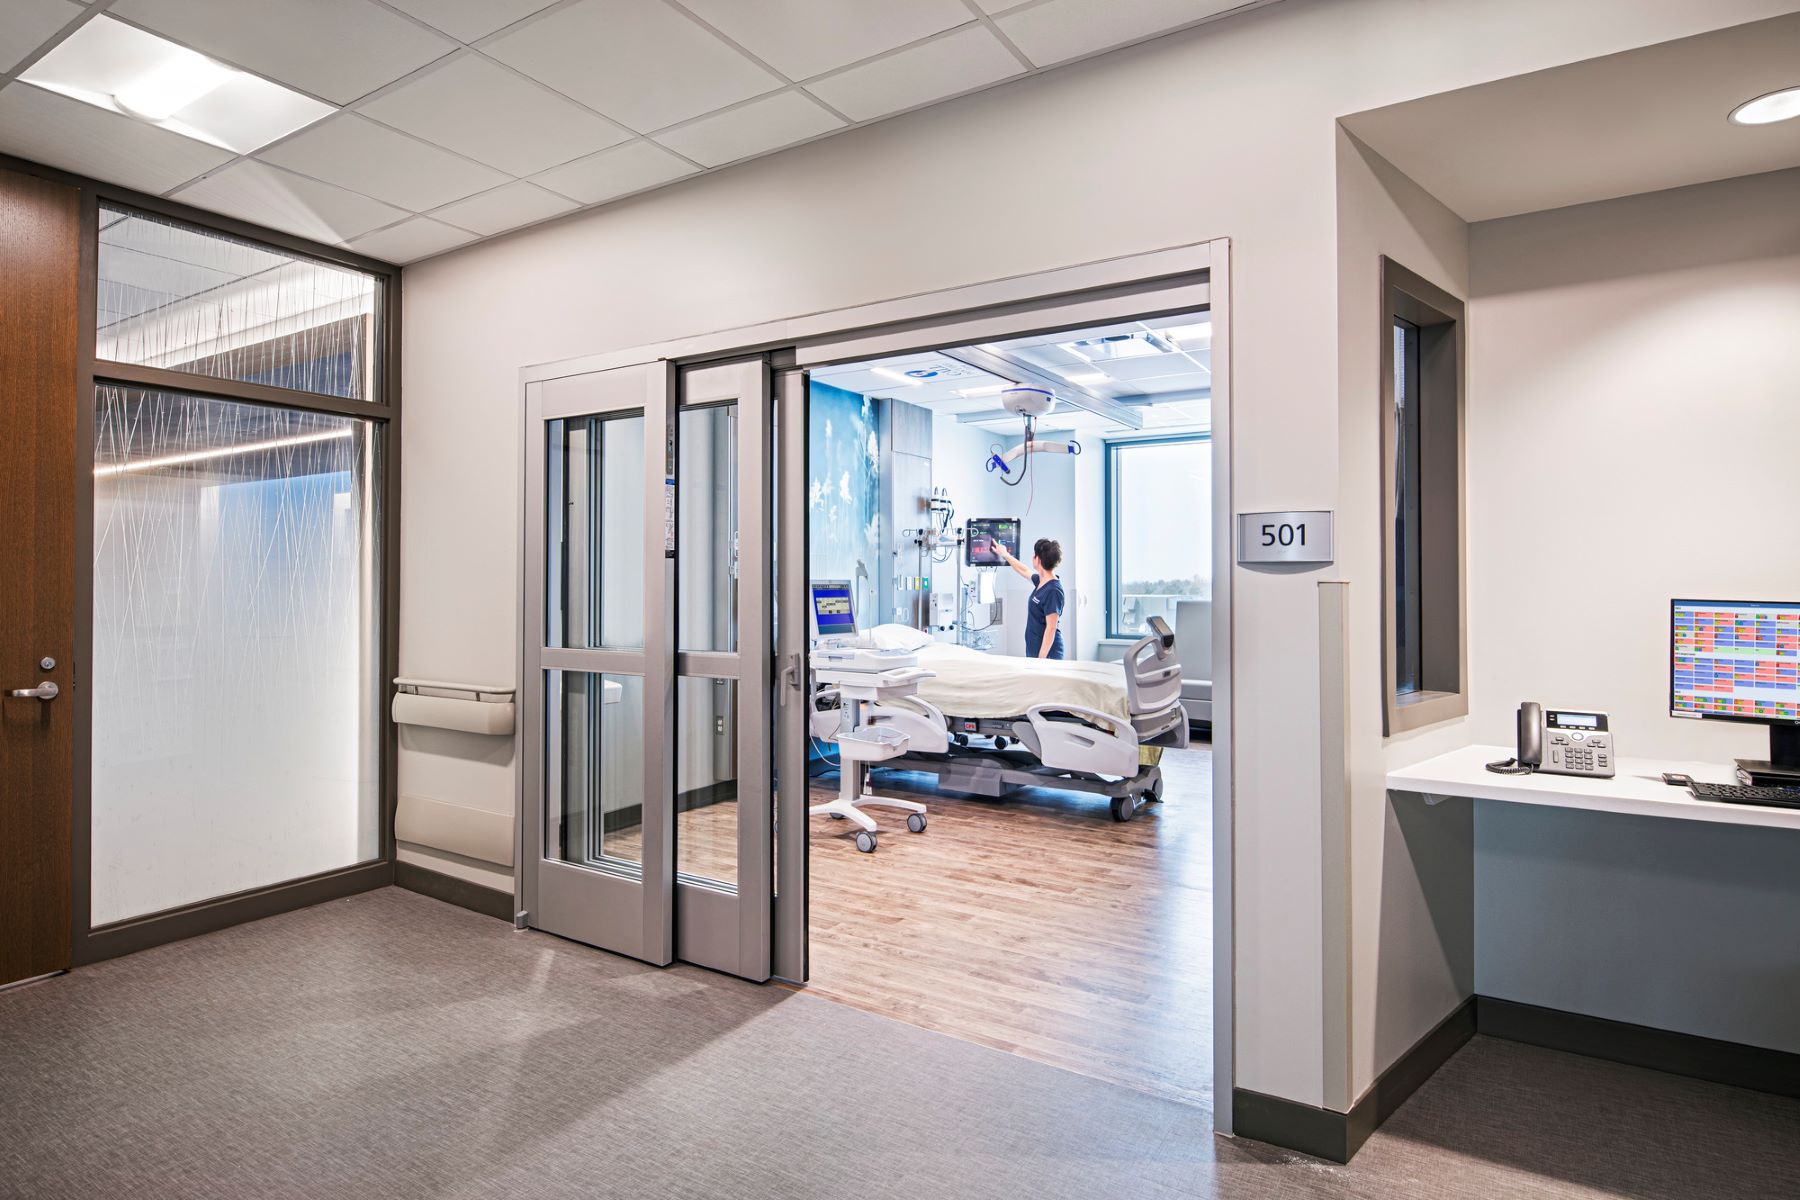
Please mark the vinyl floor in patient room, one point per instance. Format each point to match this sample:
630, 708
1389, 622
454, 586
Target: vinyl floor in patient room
1035, 924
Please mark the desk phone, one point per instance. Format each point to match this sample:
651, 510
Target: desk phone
1560, 741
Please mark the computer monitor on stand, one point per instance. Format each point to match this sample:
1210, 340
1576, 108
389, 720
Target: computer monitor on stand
1739, 660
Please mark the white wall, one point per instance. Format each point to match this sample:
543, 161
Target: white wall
1625, 358
1225, 131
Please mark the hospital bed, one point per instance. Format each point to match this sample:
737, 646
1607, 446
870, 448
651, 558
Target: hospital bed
988, 723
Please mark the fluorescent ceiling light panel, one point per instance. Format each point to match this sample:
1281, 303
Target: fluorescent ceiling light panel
1188, 335
1085, 377
1767, 109
123, 69
992, 389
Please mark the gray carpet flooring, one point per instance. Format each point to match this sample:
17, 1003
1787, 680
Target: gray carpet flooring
392, 1046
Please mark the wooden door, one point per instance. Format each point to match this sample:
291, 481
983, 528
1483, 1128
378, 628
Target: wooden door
40, 224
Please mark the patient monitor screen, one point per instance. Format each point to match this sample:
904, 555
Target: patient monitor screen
985, 533
832, 610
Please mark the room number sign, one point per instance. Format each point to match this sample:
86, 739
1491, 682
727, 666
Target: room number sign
1284, 537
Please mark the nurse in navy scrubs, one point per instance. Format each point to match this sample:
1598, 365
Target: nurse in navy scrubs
1043, 637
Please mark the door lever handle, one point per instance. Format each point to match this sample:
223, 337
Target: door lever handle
43, 691
790, 678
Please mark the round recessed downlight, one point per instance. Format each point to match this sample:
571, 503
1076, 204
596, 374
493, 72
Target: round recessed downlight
1769, 108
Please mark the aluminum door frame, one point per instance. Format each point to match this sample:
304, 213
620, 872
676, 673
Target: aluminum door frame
604, 908
725, 927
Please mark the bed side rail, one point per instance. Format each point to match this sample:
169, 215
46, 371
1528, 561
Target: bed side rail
1096, 742
1152, 672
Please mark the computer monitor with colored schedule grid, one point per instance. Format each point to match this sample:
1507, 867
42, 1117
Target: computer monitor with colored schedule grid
1739, 660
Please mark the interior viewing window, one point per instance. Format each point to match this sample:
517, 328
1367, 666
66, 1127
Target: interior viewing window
1155, 486
1422, 509
186, 299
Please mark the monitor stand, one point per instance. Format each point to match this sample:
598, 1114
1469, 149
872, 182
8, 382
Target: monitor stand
1782, 768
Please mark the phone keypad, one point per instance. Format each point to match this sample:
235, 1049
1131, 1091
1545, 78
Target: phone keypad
1579, 754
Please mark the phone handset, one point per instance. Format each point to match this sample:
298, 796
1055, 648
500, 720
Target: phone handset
1529, 754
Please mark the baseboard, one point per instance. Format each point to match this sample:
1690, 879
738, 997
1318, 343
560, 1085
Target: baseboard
1335, 1136
1753, 1067
487, 901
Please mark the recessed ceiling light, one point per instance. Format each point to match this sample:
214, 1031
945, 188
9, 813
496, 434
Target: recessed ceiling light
1769, 108
1188, 335
992, 389
123, 69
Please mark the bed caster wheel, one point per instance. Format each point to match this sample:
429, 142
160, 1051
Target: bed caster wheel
961, 739
835, 816
1153, 794
1000, 743
865, 841
1124, 808
916, 822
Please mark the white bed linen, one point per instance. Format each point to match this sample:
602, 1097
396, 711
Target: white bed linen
970, 683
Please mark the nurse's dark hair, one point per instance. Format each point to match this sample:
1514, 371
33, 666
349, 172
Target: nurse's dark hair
1049, 552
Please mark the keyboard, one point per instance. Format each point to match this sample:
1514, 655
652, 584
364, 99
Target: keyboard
1743, 793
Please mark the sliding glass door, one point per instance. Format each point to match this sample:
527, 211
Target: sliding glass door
647, 672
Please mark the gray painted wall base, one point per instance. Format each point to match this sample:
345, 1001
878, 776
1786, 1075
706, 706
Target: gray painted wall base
485, 900
1324, 1133
1337, 1136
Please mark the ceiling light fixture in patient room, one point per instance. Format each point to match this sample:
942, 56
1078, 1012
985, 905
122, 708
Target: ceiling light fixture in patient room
1768, 108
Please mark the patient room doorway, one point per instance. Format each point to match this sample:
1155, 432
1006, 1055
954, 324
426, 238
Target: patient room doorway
1009, 705
971, 543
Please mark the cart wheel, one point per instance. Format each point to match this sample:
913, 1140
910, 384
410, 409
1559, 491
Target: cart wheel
835, 816
865, 841
1124, 808
1000, 743
916, 822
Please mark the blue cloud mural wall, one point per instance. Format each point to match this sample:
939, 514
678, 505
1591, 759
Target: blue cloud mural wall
844, 492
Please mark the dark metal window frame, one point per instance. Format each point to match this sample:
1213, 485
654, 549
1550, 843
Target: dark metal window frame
1113, 579
1422, 482
93, 945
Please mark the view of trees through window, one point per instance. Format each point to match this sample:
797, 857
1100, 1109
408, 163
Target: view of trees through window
1160, 535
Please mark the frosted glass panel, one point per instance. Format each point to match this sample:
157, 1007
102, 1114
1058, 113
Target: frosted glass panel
235, 666
188, 299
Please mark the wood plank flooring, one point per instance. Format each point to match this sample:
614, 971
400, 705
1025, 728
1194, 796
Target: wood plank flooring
1035, 924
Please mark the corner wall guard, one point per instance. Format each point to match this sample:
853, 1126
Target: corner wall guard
465, 707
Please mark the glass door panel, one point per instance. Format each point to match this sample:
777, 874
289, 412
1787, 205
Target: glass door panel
598, 865
723, 820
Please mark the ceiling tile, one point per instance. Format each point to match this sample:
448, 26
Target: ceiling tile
958, 62
27, 24
628, 168
470, 20
999, 6
265, 195
409, 241
753, 128
504, 208
60, 132
338, 49
365, 157
1059, 30
803, 38
640, 62
483, 110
